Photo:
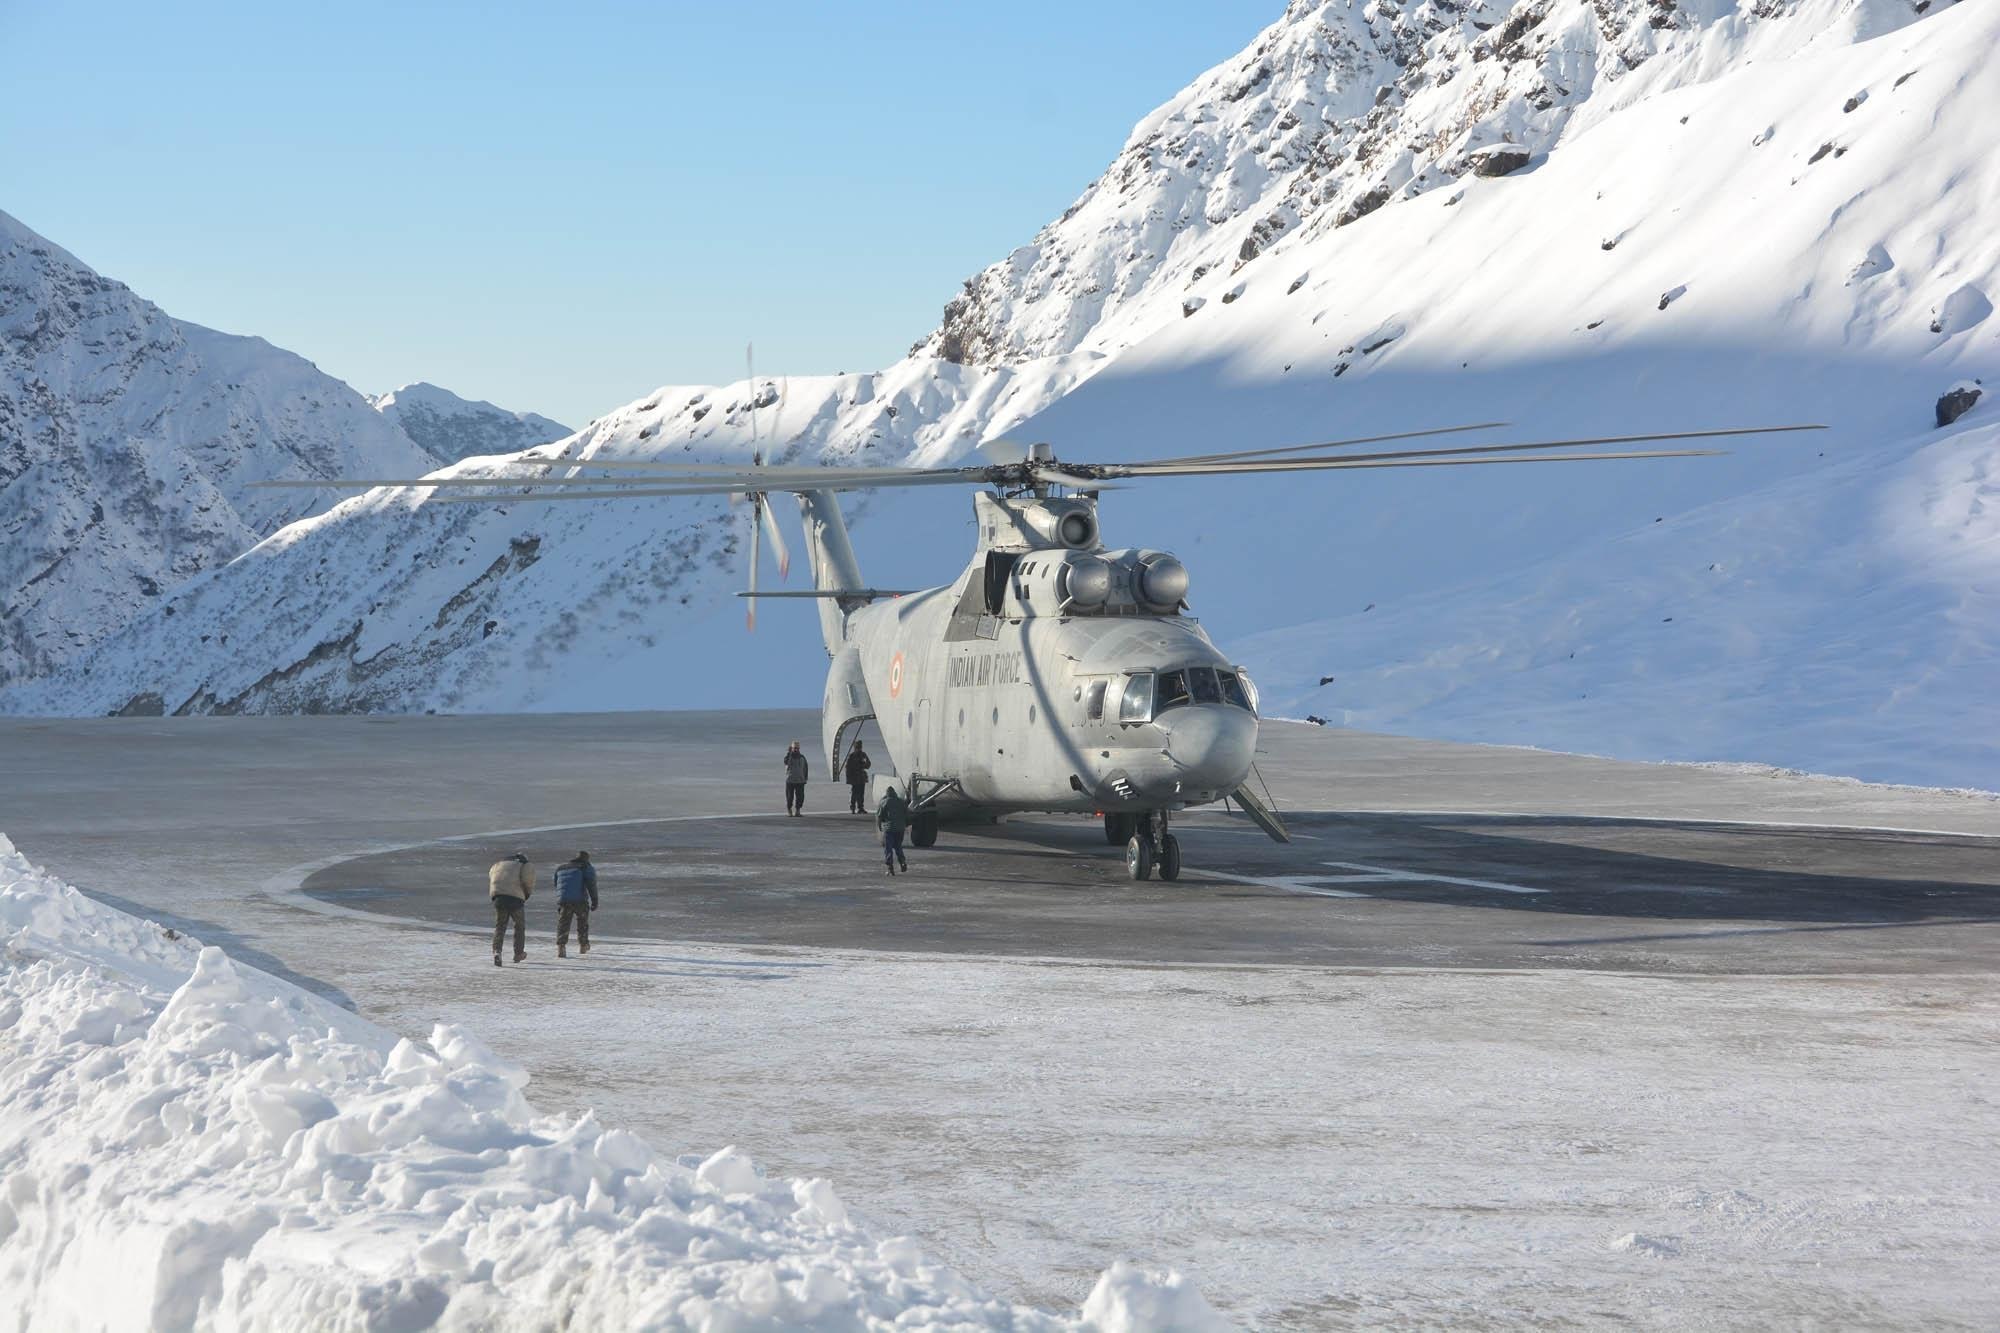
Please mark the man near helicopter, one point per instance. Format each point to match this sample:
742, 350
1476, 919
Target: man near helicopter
892, 816
856, 773
795, 780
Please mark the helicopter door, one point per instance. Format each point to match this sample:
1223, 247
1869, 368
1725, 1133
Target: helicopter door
999, 570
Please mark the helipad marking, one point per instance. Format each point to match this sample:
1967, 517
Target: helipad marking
1383, 872
1324, 886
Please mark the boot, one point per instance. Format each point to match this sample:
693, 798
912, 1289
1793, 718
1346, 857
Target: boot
583, 947
496, 960
520, 958
889, 869
561, 952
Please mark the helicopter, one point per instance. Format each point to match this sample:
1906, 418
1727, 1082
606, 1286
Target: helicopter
1054, 674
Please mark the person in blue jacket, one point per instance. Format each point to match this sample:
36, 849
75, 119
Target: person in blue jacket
576, 899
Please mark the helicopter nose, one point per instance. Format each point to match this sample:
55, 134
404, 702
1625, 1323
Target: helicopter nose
1212, 745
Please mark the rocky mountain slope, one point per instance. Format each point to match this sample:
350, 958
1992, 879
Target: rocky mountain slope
127, 439
1340, 108
450, 428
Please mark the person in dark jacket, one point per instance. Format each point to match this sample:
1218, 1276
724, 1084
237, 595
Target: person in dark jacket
509, 884
892, 816
576, 899
858, 764
795, 780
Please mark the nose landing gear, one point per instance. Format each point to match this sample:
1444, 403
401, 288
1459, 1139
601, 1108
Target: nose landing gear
1146, 850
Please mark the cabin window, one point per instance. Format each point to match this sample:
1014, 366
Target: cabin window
1093, 707
1136, 704
1173, 691
1201, 684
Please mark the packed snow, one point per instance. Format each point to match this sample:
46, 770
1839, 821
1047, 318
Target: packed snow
191, 1143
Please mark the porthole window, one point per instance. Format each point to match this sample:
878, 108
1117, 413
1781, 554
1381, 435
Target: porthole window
961, 717
909, 719
996, 717
1031, 714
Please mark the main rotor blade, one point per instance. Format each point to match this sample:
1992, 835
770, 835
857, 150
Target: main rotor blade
833, 483
1335, 444
1245, 469
1461, 451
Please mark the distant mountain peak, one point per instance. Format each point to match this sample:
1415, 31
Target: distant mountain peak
449, 427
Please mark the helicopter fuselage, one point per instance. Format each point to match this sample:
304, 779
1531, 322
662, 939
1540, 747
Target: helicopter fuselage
1052, 675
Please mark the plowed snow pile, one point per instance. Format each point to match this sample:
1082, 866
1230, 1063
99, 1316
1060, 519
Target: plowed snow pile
189, 1142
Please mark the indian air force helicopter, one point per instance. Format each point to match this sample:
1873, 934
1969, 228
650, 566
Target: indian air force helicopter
1055, 673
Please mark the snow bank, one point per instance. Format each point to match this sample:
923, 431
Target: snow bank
190, 1142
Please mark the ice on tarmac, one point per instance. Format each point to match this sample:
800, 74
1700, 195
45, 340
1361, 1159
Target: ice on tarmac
190, 1142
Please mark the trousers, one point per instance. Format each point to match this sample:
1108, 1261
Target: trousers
505, 910
579, 913
892, 847
795, 796
855, 791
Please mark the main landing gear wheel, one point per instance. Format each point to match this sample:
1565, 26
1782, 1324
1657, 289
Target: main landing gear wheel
1139, 856
1119, 829
923, 829
1170, 857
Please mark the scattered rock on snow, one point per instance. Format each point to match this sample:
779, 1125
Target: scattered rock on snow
1960, 311
1855, 101
1192, 304
1821, 152
1232, 293
1877, 260
1499, 160
1957, 401
1668, 298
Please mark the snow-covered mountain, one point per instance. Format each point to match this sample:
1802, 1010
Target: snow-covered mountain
1601, 218
127, 439
1338, 109
390, 602
450, 428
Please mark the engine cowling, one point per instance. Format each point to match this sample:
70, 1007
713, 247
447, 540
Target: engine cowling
1163, 582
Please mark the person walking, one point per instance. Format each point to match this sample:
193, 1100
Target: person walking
576, 899
858, 764
795, 780
510, 883
892, 816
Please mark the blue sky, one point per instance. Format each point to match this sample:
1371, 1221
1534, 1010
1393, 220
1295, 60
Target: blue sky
560, 207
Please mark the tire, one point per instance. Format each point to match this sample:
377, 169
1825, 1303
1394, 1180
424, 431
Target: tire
1170, 857
1118, 829
1139, 856
923, 830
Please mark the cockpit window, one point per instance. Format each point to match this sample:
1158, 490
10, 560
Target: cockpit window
1148, 694
1093, 701
1232, 690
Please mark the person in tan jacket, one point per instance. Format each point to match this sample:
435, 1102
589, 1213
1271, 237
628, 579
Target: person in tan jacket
510, 883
